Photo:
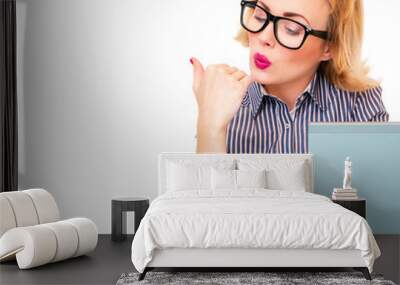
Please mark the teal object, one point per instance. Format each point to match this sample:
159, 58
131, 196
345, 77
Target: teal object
374, 150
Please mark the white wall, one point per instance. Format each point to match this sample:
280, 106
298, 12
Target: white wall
104, 86
380, 49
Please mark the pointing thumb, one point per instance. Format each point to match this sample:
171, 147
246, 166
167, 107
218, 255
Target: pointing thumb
198, 71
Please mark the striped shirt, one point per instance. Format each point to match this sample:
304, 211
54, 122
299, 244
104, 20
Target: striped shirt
263, 123
293, 111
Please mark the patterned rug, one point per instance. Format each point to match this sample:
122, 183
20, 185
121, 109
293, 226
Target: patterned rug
275, 278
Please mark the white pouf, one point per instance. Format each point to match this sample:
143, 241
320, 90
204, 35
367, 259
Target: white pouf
32, 233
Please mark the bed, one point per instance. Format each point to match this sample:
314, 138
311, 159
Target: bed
244, 211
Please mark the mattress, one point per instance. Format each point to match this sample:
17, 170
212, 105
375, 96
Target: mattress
250, 218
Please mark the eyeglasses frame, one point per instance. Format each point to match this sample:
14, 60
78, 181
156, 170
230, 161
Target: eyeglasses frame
274, 19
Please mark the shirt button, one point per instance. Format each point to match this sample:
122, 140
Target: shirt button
287, 126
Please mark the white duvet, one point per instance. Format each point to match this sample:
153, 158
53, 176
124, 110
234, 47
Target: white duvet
250, 218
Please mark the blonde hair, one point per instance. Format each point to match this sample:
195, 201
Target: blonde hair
346, 69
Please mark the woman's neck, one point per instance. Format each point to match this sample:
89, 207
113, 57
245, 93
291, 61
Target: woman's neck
289, 91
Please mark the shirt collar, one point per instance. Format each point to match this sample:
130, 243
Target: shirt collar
315, 89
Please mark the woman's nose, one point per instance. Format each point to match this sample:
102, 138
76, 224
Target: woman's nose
267, 35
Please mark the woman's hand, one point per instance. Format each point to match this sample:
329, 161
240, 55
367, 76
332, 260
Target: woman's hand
219, 92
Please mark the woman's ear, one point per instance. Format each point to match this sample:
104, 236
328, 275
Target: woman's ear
326, 55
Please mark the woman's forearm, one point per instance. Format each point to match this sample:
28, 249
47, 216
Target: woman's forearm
210, 139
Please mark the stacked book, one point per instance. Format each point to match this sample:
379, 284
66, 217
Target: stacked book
344, 194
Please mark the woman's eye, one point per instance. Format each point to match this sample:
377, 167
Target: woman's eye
292, 32
260, 19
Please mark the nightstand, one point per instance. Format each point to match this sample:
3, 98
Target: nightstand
358, 206
119, 207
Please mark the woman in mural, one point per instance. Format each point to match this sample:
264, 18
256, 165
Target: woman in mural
305, 66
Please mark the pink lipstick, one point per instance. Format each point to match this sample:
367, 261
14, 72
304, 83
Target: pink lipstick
261, 61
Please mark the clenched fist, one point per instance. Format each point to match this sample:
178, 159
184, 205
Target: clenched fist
219, 92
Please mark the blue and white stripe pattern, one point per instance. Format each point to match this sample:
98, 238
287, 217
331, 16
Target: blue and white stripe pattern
263, 123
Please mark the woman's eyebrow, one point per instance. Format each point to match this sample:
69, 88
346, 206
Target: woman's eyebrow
286, 14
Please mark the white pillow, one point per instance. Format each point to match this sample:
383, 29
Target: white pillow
255, 178
237, 179
223, 178
282, 173
293, 178
189, 174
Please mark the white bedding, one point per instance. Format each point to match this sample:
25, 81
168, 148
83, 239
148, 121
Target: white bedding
250, 218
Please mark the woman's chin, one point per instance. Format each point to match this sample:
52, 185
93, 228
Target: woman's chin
261, 77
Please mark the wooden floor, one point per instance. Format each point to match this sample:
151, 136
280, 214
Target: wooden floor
111, 259
102, 266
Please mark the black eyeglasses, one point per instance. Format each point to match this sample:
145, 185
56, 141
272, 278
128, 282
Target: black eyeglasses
289, 33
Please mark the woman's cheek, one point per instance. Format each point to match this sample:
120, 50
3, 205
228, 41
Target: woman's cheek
297, 62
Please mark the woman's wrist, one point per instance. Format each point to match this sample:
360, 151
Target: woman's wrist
209, 129
210, 137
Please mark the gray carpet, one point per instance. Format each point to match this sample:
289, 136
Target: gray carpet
225, 278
